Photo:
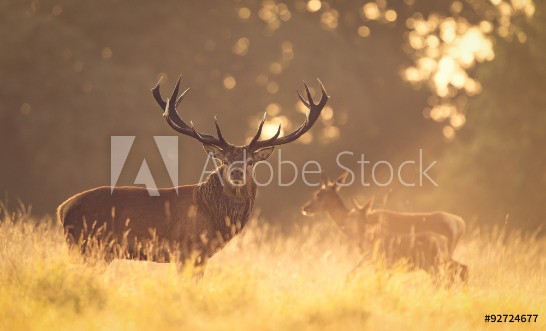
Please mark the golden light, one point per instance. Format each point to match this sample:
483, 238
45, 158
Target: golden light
448, 30
371, 11
486, 27
273, 109
244, 13
287, 51
307, 138
442, 111
327, 113
329, 19
241, 46
330, 133
472, 87
426, 65
416, 40
300, 107
313, 5
432, 41
456, 7
229, 82
448, 132
270, 129
390, 15
363, 31
275, 68
286, 46
421, 27
446, 69
457, 120
284, 13
411, 74
459, 78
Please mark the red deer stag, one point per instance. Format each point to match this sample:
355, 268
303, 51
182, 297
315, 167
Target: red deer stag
201, 218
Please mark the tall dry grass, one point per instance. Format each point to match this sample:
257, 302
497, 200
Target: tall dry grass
263, 280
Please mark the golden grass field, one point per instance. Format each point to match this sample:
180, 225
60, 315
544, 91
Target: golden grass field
264, 280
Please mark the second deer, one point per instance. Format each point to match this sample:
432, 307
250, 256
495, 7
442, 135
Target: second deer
425, 240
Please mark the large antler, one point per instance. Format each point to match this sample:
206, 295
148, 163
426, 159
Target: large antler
314, 113
176, 122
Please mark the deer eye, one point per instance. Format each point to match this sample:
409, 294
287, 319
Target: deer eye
250, 163
224, 162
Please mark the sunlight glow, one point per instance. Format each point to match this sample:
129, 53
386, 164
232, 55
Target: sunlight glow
241, 46
363, 31
371, 11
244, 13
314, 5
329, 19
229, 82
445, 49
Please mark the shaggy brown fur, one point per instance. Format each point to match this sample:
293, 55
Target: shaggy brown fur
199, 219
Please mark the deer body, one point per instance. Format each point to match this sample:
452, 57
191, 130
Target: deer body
428, 251
199, 219
448, 225
425, 240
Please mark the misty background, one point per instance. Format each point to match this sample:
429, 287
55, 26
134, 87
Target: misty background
462, 80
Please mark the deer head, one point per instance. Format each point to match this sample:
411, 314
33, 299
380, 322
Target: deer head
237, 162
325, 196
363, 212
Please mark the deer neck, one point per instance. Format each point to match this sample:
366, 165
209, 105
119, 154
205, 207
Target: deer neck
225, 204
337, 210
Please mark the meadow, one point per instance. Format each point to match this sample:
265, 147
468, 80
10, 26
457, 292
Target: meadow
265, 279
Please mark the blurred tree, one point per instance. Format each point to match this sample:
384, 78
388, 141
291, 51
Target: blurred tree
497, 169
76, 73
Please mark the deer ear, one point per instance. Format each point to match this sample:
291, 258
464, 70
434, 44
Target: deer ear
216, 152
368, 206
264, 153
341, 180
357, 205
325, 179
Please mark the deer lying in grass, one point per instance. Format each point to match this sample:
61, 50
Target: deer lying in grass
425, 240
198, 219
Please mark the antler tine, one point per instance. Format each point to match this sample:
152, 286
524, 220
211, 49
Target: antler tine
324, 97
303, 100
176, 89
311, 118
309, 97
181, 97
177, 123
219, 132
268, 141
157, 95
258, 132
